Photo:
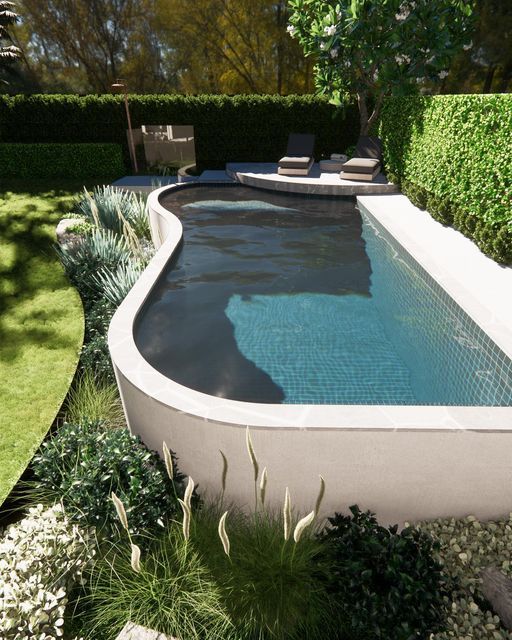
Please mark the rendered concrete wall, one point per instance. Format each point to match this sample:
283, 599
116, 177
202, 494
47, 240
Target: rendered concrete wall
399, 474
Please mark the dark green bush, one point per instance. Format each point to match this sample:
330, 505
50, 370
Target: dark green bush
95, 357
227, 128
82, 464
82, 161
451, 154
386, 582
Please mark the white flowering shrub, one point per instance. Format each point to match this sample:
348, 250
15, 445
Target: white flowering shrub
41, 558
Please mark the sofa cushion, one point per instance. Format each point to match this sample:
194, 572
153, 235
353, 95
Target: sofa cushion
294, 162
361, 165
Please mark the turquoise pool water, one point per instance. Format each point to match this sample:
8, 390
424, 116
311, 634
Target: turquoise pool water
280, 298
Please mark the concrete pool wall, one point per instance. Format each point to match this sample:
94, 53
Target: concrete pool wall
403, 462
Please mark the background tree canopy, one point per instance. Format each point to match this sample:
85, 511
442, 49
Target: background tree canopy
213, 46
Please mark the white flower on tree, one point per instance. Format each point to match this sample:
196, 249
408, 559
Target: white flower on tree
442, 74
291, 30
334, 53
402, 59
375, 34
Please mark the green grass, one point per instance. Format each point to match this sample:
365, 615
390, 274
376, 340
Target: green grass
41, 321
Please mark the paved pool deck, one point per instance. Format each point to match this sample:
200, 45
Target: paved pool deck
263, 175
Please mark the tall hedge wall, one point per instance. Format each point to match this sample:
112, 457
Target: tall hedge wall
238, 128
60, 160
453, 156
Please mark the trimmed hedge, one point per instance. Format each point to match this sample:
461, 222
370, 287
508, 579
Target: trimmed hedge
227, 129
452, 156
60, 160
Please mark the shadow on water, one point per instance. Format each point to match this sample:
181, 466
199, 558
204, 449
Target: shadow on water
245, 242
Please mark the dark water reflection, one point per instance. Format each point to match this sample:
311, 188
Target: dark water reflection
243, 241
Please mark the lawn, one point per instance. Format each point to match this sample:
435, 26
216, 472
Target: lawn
41, 321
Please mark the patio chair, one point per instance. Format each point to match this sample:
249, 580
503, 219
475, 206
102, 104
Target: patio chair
365, 164
299, 155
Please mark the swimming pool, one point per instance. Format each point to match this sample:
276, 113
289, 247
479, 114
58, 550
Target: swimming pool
278, 298
403, 461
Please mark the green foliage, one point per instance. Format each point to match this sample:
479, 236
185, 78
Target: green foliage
387, 583
464, 547
82, 464
83, 259
451, 156
174, 592
379, 48
91, 399
95, 356
271, 587
115, 285
109, 203
42, 556
59, 160
8, 52
227, 129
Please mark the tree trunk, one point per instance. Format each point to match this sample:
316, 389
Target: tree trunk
491, 70
363, 113
505, 78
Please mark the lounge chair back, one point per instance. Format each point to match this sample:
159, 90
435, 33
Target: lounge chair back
369, 147
300, 145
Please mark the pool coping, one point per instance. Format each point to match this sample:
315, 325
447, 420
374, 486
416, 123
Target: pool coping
167, 233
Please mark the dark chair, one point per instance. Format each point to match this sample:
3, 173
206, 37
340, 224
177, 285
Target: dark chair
365, 164
299, 155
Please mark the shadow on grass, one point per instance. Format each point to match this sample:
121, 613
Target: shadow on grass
29, 266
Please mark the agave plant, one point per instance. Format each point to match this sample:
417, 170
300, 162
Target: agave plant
102, 249
104, 206
116, 283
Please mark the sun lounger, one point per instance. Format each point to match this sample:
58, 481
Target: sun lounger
365, 164
299, 155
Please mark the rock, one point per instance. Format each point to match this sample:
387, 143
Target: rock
497, 588
135, 632
63, 235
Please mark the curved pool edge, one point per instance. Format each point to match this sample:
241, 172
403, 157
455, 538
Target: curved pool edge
369, 453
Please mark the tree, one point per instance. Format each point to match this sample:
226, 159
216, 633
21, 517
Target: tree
8, 53
375, 48
232, 46
84, 45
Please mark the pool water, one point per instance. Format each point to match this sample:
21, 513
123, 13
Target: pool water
279, 298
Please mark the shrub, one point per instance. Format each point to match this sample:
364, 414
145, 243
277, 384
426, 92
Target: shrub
60, 160
116, 285
102, 209
82, 465
173, 593
387, 583
92, 400
95, 355
450, 154
82, 260
41, 559
271, 588
238, 128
